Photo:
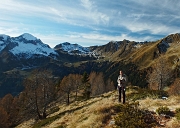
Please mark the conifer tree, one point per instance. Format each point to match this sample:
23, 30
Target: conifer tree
86, 85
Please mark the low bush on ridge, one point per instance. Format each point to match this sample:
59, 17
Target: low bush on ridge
132, 117
163, 110
177, 115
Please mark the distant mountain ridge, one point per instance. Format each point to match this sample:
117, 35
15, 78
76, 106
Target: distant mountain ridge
20, 55
26, 46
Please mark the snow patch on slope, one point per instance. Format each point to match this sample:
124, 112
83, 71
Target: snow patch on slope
74, 47
4, 37
30, 49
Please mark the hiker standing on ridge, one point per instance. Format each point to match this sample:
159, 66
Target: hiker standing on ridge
122, 81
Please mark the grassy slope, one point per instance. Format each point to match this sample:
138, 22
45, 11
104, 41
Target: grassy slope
97, 112
144, 56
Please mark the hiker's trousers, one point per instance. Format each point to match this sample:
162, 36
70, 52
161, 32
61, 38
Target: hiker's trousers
121, 92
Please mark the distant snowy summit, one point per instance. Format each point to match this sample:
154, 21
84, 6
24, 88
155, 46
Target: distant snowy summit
28, 36
25, 45
72, 48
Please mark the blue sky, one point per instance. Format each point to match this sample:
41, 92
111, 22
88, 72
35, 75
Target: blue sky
90, 22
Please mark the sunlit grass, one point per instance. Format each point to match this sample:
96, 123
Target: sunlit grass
99, 111
152, 104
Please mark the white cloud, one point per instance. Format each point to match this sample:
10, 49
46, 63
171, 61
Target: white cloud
99, 18
87, 4
87, 39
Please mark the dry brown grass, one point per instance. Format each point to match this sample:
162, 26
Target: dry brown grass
94, 113
172, 102
26, 124
173, 123
98, 112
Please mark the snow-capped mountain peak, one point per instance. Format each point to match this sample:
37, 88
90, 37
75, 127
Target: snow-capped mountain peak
71, 48
32, 49
75, 49
28, 36
25, 46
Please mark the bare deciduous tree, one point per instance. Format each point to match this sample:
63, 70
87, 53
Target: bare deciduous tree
97, 83
15, 116
109, 85
12, 108
6, 102
160, 75
77, 83
4, 123
39, 88
175, 87
48, 89
67, 86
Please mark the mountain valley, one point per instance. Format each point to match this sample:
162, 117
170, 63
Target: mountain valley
20, 55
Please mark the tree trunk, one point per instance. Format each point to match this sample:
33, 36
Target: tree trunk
37, 108
161, 82
76, 92
68, 98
